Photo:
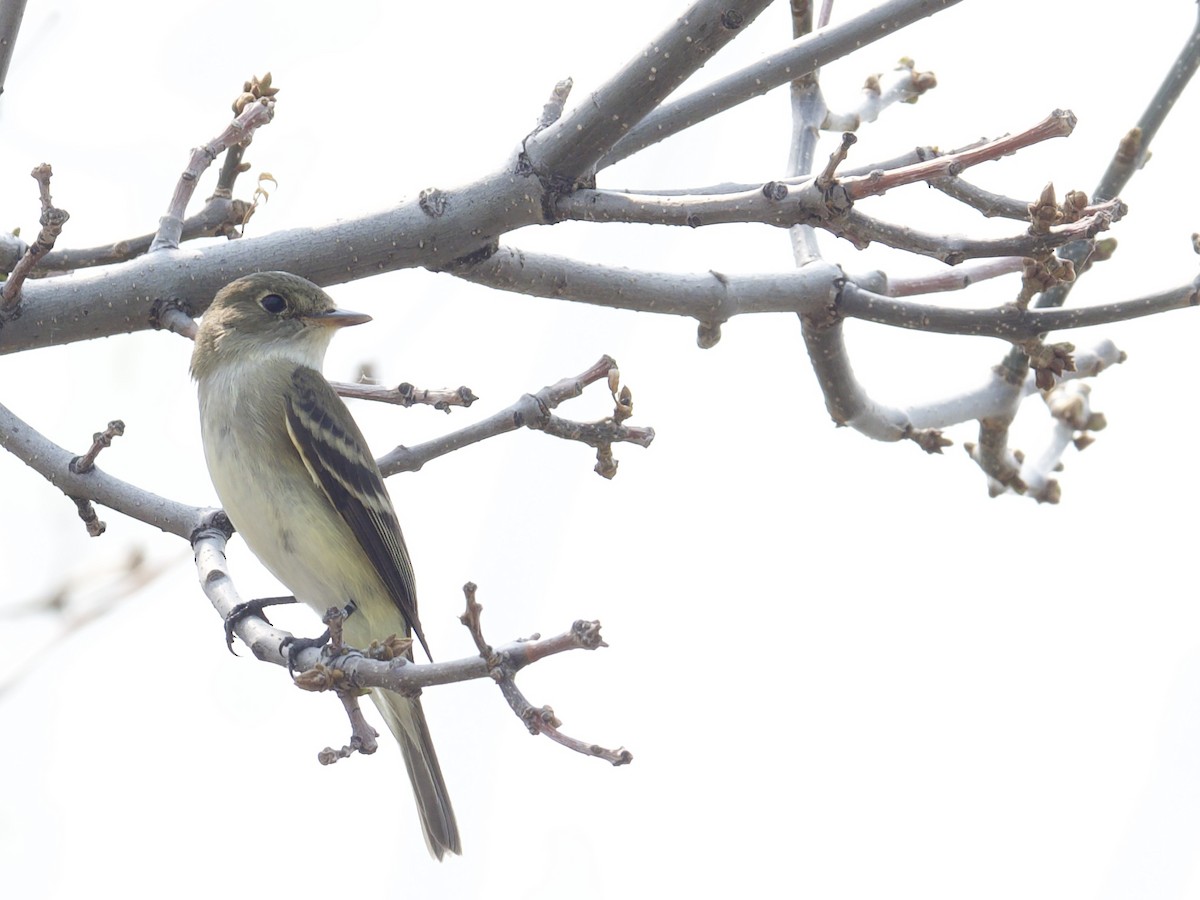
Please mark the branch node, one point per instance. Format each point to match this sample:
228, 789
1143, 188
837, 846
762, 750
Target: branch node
775, 190
215, 523
433, 202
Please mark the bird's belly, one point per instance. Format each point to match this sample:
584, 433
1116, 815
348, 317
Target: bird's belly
289, 524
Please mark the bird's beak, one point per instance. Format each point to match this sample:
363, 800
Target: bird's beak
336, 318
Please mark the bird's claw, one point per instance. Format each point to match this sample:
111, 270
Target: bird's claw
294, 646
250, 608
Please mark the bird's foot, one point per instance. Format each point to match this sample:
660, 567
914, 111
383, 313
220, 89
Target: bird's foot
250, 608
294, 646
334, 617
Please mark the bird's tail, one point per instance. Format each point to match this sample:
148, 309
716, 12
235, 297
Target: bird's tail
406, 720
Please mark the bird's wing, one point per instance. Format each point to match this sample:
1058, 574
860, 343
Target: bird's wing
336, 455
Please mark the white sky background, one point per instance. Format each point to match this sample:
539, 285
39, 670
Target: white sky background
843, 671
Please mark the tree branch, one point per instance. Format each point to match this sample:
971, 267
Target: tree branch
1010, 323
533, 411
1132, 153
254, 108
216, 219
1059, 123
354, 669
54, 464
407, 395
709, 297
11, 14
52, 220
569, 149
121, 299
779, 68
956, 279
861, 230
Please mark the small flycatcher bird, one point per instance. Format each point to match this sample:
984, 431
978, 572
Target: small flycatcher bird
296, 478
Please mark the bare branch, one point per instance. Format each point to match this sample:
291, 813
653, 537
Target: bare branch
553, 109
52, 221
531, 411
1002, 466
11, 13
54, 464
904, 84
953, 249
808, 113
1132, 153
996, 399
710, 297
218, 218
570, 149
169, 315
1135, 148
829, 209
1010, 323
776, 69
1059, 123
539, 720
100, 440
253, 113
353, 670
846, 399
407, 395
989, 204
120, 299
956, 279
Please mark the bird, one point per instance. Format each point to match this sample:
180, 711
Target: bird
297, 480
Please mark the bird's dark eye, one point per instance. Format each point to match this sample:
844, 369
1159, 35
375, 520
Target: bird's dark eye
273, 303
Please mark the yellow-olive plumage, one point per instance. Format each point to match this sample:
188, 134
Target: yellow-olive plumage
299, 483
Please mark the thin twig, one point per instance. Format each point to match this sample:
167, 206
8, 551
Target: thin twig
1059, 123
407, 395
956, 279
1010, 322
538, 719
255, 113
954, 249
531, 411
52, 221
53, 463
989, 204
100, 440
1132, 152
902, 85
217, 218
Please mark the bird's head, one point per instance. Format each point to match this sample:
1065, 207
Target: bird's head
265, 315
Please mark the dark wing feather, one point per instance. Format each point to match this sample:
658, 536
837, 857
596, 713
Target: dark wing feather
336, 455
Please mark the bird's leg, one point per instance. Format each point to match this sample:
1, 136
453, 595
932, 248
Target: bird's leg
250, 608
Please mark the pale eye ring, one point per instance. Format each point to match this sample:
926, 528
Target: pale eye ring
273, 304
